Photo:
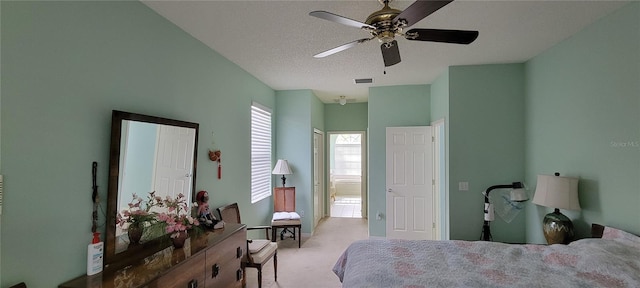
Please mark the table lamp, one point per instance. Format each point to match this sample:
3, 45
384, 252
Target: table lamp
282, 168
557, 192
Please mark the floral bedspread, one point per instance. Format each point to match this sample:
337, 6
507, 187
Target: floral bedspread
421, 263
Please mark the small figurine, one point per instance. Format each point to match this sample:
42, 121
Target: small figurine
205, 217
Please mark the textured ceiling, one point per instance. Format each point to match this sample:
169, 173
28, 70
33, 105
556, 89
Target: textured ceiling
275, 40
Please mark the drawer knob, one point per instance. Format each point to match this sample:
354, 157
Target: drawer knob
215, 270
239, 252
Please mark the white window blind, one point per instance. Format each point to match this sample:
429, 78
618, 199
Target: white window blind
260, 152
348, 155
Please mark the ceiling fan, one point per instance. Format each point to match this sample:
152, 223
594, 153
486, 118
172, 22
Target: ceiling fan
388, 22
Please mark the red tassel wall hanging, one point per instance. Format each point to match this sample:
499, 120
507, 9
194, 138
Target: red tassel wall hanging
215, 156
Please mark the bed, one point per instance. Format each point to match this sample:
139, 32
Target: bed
610, 261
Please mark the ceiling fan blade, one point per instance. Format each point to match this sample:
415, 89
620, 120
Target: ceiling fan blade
390, 53
439, 35
339, 19
420, 9
341, 48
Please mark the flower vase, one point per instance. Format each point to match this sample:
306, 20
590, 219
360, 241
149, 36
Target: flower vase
178, 242
135, 231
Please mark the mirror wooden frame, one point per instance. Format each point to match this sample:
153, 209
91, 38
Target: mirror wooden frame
152, 246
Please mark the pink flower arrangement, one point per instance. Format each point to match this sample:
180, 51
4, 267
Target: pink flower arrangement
176, 216
139, 211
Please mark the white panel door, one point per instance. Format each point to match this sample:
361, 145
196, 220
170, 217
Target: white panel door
409, 178
174, 156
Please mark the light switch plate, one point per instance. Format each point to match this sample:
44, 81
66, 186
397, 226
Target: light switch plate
463, 186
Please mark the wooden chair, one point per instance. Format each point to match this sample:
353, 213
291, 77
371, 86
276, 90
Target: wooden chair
260, 250
284, 200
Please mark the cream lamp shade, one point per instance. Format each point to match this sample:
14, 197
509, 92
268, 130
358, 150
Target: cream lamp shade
559, 193
282, 168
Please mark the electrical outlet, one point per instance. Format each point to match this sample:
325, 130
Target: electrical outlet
463, 186
379, 216
301, 213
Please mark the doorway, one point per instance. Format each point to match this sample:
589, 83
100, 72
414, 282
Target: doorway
347, 174
318, 176
441, 196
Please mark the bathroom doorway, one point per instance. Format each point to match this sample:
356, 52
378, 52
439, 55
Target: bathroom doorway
347, 174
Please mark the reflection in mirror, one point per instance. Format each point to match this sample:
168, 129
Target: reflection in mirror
153, 157
148, 154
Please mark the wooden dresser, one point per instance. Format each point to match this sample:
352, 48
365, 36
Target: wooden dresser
211, 260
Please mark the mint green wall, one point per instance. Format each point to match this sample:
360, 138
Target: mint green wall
583, 120
65, 66
294, 130
317, 117
390, 106
486, 144
440, 110
349, 117
440, 97
140, 140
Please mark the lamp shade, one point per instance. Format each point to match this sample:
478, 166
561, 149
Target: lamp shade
282, 168
557, 192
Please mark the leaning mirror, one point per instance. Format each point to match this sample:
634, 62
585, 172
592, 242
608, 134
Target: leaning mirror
148, 154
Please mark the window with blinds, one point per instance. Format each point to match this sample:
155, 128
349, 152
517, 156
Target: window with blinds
347, 155
260, 152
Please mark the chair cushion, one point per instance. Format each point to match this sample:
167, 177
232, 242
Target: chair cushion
267, 252
278, 216
257, 245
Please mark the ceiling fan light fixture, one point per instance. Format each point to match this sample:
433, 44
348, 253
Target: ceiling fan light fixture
386, 36
342, 100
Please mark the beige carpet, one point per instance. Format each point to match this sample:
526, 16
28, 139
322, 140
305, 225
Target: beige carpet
310, 266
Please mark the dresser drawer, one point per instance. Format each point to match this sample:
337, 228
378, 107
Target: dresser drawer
189, 274
223, 268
